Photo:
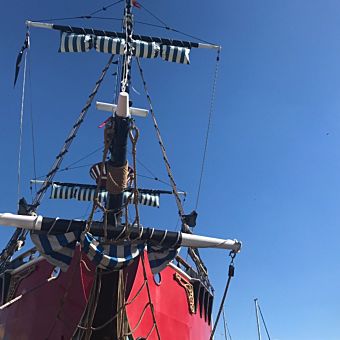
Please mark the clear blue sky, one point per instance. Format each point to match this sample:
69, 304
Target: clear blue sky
272, 173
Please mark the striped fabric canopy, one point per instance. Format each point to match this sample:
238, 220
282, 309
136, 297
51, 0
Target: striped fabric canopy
59, 250
71, 42
87, 193
110, 256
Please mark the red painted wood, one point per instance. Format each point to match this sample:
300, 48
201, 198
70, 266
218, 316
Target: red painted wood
172, 314
52, 310
47, 310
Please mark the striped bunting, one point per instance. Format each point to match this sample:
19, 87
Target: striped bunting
83, 193
59, 250
115, 257
175, 54
71, 42
108, 256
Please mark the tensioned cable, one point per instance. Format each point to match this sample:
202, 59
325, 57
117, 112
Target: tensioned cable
154, 15
231, 272
84, 16
66, 169
154, 177
71, 136
163, 26
71, 167
225, 326
20, 234
21, 126
162, 147
193, 252
136, 22
106, 7
264, 323
212, 101
32, 122
86, 156
87, 165
146, 168
167, 27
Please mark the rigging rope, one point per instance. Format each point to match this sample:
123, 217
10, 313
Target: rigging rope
167, 27
230, 276
21, 126
264, 323
225, 326
84, 16
208, 127
134, 134
154, 177
163, 26
154, 15
193, 252
161, 144
19, 235
93, 300
32, 121
84, 157
70, 137
106, 7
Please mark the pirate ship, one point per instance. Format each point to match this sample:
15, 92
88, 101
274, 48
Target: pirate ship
113, 277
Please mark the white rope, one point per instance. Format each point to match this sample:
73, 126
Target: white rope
21, 125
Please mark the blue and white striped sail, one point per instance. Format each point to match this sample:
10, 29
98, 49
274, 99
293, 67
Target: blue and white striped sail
145, 49
175, 54
109, 45
83, 193
71, 42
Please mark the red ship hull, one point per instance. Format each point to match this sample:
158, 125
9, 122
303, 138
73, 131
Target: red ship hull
38, 307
